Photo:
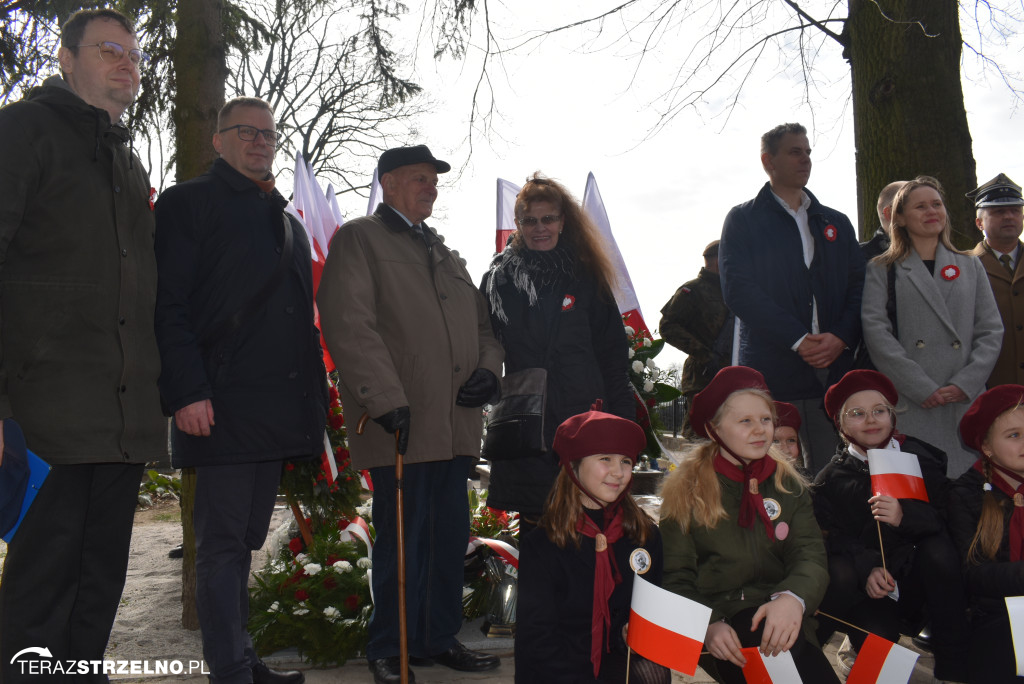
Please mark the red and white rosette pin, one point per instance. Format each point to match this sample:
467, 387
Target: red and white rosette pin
831, 233
568, 302
950, 272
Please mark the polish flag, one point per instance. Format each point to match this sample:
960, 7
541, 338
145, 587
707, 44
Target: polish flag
506, 224
880, 661
665, 627
762, 669
376, 194
896, 474
625, 294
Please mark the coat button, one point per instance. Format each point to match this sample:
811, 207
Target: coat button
919, 344
289, 309
120, 321
123, 389
364, 390
444, 297
458, 368
117, 188
124, 252
1020, 327
956, 344
293, 375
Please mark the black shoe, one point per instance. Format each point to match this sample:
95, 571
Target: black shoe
460, 658
177, 552
388, 671
261, 674
924, 639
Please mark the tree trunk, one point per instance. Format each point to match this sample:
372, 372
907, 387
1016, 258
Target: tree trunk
200, 69
908, 104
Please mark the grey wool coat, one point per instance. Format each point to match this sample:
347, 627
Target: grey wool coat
950, 333
405, 327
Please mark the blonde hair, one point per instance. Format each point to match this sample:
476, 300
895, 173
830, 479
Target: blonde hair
989, 534
900, 244
692, 494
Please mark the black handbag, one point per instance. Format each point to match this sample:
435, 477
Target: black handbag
515, 425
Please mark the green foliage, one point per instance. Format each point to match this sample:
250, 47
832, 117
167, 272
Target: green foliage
652, 385
317, 601
157, 486
486, 523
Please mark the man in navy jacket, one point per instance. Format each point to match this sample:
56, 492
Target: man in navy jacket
792, 273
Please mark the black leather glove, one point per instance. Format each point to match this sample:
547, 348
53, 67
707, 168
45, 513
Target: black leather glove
480, 387
397, 420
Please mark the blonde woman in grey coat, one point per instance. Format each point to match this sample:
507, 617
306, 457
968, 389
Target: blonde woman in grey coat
948, 329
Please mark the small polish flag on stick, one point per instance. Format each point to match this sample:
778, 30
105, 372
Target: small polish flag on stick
880, 661
1015, 609
666, 628
762, 669
896, 474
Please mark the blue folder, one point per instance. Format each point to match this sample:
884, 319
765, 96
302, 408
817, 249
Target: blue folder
21, 475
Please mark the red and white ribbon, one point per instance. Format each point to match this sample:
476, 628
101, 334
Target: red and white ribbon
505, 551
359, 528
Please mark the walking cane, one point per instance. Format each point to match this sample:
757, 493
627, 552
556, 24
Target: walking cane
403, 633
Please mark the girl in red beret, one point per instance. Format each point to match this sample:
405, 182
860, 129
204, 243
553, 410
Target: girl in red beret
576, 569
739, 533
986, 519
921, 573
787, 433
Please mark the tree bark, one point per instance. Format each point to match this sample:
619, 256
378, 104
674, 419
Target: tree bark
908, 104
199, 58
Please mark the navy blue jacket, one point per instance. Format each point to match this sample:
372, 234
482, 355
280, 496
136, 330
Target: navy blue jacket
218, 240
768, 287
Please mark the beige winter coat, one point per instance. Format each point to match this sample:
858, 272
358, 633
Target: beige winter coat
405, 327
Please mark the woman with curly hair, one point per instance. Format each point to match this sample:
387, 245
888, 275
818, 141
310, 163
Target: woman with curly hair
739, 534
552, 307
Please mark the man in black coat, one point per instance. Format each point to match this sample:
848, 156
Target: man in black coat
879, 242
242, 371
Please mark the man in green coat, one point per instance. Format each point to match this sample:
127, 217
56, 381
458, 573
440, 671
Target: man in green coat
79, 358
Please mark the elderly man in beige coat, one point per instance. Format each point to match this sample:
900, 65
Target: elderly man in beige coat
411, 337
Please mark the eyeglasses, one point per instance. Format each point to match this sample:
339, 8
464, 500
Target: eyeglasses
248, 133
531, 221
114, 52
859, 415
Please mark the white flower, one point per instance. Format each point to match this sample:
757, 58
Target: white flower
629, 331
631, 353
364, 563
274, 607
342, 566
651, 365
313, 568
331, 613
363, 511
276, 566
648, 343
300, 611
648, 386
301, 558
638, 366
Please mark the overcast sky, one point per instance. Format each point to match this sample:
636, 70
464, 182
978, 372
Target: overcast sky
567, 113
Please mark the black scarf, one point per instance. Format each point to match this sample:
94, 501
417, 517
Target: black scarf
532, 272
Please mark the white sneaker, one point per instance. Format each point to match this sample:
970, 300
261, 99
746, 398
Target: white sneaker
845, 657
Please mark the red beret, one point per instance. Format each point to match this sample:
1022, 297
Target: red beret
858, 381
597, 432
788, 415
728, 380
990, 405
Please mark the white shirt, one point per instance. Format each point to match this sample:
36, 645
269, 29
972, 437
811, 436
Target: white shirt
807, 241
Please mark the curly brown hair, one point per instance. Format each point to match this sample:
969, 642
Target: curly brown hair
579, 232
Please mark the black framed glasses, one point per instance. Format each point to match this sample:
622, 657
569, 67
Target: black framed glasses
248, 133
114, 52
531, 221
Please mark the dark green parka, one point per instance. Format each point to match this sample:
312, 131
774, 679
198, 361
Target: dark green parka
78, 362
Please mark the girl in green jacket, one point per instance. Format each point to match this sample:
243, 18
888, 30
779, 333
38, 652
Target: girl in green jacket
739, 534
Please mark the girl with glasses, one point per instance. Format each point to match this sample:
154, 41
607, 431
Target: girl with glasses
920, 573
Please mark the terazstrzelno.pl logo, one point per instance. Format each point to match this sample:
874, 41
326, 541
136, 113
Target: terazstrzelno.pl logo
39, 661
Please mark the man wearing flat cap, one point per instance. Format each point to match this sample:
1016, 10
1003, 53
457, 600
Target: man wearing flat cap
411, 337
1000, 216
697, 322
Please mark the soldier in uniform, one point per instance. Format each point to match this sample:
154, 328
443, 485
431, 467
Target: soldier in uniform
697, 322
1001, 217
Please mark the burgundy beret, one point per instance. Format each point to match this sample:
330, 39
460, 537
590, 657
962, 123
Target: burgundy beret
990, 405
728, 380
789, 416
597, 432
858, 381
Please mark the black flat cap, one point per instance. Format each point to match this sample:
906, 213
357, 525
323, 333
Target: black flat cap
404, 156
998, 192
